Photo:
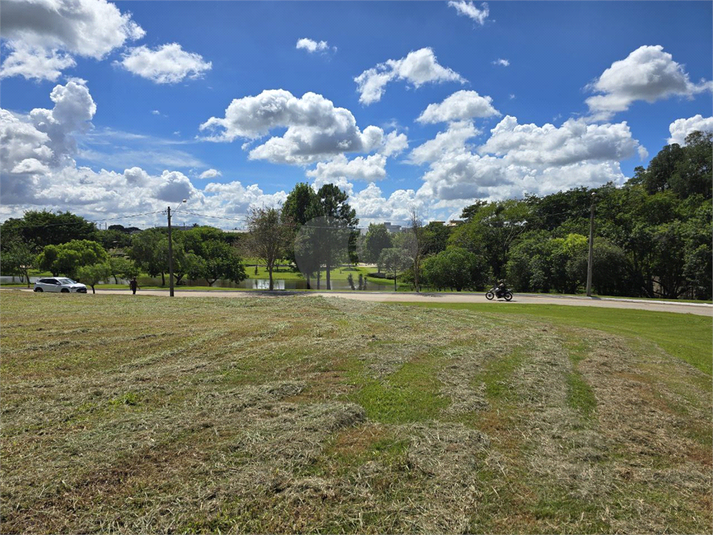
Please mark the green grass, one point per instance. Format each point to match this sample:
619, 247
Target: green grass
296, 413
686, 336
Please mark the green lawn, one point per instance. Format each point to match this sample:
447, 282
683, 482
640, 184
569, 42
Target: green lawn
686, 336
296, 413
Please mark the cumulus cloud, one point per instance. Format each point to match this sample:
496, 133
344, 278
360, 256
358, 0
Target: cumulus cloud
38, 171
575, 141
42, 36
370, 168
648, 74
449, 142
316, 129
35, 63
461, 105
210, 173
502, 62
393, 144
522, 158
417, 68
468, 9
312, 46
235, 199
167, 64
372, 206
680, 128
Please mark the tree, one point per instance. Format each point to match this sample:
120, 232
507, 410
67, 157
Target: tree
121, 266
376, 240
336, 221
394, 259
67, 258
300, 204
454, 268
18, 259
222, 261
435, 238
268, 236
416, 249
94, 274
48, 228
491, 230
149, 249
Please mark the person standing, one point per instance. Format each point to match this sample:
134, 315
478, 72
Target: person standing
133, 285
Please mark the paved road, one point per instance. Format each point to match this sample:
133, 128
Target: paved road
403, 297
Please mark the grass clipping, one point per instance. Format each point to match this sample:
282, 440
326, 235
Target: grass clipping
293, 414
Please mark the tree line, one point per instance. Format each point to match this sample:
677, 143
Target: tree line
652, 239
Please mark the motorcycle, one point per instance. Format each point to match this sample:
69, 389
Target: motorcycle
500, 294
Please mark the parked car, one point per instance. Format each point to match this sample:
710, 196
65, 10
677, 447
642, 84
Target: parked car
59, 284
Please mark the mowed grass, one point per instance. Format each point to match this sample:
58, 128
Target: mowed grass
687, 336
300, 413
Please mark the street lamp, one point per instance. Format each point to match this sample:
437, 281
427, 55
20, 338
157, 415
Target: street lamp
170, 253
590, 258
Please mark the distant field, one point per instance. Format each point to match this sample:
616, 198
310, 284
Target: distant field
299, 413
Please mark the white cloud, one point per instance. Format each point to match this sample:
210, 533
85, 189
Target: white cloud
372, 206
369, 169
450, 142
168, 64
312, 46
417, 68
502, 62
233, 198
155, 112
468, 9
210, 173
648, 74
575, 141
38, 171
42, 35
35, 63
521, 158
316, 129
680, 128
460, 106
394, 144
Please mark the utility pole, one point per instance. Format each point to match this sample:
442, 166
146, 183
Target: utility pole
590, 259
170, 255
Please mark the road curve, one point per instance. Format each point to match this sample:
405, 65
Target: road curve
411, 297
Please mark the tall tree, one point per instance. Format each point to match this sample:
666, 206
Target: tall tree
376, 240
268, 236
49, 228
149, 249
67, 258
337, 221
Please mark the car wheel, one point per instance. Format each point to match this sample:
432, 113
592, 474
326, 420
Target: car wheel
38, 289
64, 291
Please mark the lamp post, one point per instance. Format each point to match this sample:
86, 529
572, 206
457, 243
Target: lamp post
170, 254
590, 258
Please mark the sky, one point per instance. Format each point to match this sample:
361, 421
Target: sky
115, 111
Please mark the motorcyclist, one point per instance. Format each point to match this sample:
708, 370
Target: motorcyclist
500, 290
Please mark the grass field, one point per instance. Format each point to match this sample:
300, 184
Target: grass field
299, 413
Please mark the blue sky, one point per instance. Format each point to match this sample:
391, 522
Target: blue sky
124, 142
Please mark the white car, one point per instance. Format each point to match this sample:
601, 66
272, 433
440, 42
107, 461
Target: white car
59, 284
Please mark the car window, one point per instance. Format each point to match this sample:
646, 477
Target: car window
66, 281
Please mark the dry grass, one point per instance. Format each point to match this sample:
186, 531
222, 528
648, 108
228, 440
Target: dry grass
296, 414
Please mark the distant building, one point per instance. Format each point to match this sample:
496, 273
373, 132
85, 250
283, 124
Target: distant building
392, 228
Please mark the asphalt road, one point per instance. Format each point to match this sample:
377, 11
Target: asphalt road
404, 297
